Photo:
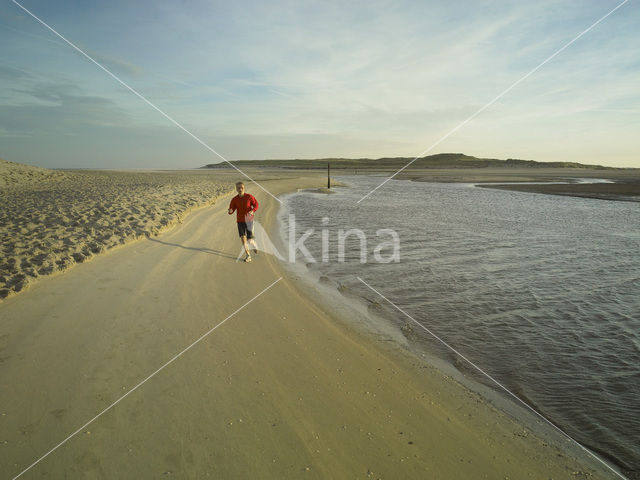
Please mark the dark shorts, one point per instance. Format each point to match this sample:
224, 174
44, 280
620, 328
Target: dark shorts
245, 229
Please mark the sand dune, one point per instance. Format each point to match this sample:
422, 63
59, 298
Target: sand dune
18, 175
52, 220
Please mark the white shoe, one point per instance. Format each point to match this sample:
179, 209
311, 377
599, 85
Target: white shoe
247, 258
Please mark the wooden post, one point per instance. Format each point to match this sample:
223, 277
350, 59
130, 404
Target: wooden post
329, 175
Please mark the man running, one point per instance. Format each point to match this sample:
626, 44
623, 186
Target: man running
245, 205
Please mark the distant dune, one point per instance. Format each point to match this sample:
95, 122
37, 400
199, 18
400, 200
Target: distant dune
15, 175
460, 168
441, 160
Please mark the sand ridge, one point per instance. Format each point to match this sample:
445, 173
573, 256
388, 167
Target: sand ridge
18, 175
52, 220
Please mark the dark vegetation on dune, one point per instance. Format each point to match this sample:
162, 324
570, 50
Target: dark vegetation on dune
441, 160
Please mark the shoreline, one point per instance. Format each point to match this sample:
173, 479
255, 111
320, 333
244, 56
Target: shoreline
285, 389
393, 341
383, 332
620, 191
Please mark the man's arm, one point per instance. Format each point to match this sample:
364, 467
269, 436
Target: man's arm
232, 207
254, 205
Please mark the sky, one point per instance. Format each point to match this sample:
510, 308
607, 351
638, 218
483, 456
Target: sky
317, 79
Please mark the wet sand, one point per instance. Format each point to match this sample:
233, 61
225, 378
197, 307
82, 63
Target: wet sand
495, 175
628, 191
482, 175
625, 184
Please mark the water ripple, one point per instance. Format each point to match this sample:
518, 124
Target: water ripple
541, 291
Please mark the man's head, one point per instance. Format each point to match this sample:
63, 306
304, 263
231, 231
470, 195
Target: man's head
240, 188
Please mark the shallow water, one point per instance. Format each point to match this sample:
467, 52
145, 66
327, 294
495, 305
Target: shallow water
541, 291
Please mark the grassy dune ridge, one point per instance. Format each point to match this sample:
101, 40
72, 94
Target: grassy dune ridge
457, 167
440, 160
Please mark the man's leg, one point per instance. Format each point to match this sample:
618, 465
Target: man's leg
254, 245
243, 239
250, 238
243, 232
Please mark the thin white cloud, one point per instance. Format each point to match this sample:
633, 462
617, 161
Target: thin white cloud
116, 65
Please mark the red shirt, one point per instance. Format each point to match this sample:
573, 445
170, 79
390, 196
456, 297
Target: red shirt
241, 205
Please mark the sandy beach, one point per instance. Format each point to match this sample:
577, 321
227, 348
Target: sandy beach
445, 282
52, 220
282, 388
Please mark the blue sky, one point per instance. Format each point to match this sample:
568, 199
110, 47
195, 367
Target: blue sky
306, 79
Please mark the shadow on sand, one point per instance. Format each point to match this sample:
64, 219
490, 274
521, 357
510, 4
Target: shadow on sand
202, 249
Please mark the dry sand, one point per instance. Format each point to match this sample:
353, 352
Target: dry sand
282, 389
19, 175
51, 220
